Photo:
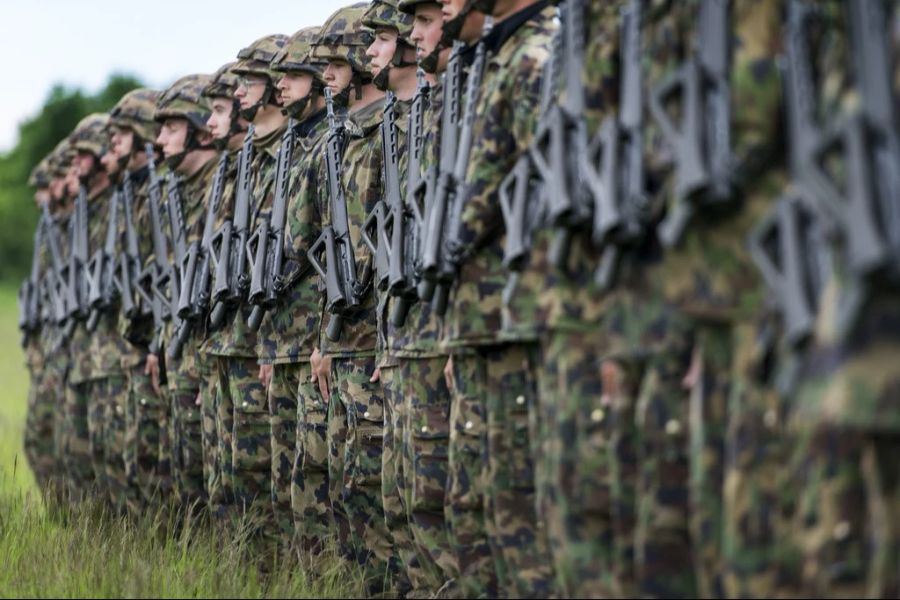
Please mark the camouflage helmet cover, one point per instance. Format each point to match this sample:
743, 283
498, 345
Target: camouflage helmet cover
135, 111
223, 82
387, 14
184, 99
256, 59
60, 158
296, 55
344, 37
90, 135
40, 174
409, 6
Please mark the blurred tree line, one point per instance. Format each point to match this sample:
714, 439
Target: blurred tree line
38, 135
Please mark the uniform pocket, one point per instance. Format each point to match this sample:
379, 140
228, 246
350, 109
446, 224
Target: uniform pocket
430, 439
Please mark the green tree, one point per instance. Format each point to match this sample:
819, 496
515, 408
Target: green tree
38, 135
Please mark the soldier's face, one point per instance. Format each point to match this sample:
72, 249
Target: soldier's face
121, 142
472, 26
381, 51
41, 197
250, 90
84, 163
294, 87
338, 75
219, 121
57, 188
72, 181
110, 162
426, 33
173, 136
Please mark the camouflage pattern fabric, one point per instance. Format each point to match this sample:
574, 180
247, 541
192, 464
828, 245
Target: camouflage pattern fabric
310, 499
224, 500
145, 461
76, 447
283, 413
209, 389
114, 396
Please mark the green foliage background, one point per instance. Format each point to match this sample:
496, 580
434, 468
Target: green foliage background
38, 135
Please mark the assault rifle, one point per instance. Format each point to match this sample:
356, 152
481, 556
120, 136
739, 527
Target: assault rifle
29, 292
701, 142
130, 260
343, 289
76, 290
56, 287
617, 159
102, 268
438, 179
403, 224
266, 246
374, 233
173, 274
228, 247
784, 245
153, 274
195, 269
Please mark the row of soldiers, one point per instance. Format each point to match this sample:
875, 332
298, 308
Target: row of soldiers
504, 297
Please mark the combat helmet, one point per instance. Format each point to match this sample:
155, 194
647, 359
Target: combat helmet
296, 57
387, 14
343, 37
184, 100
256, 59
90, 135
135, 111
40, 174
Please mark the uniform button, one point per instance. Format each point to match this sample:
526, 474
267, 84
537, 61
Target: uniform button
520, 400
190, 415
469, 425
597, 415
841, 530
673, 427
770, 418
245, 404
366, 414
143, 402
119, 410
424, 429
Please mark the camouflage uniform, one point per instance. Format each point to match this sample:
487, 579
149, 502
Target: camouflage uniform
146, 468
845, 415
289, 334
495, 383
183, 100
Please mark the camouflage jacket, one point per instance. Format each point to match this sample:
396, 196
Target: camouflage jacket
193, 206
506, 114
236, 338
290, 332
361, 178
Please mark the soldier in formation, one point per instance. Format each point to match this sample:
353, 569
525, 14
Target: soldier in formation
498, 298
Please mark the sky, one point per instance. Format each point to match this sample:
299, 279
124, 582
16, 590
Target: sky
81, 42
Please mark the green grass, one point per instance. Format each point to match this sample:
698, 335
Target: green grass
51, 552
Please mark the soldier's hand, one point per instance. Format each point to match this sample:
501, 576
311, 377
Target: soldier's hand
321, 368
448, 373
611, 377
265, 375
151, 368
695, 371
199, 400
376, 375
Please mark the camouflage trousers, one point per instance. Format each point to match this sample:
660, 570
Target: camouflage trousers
355, 446
75, 439
424, 447
283, 439
147, 458
113, 395
39, 446
186, 434
310, 502
249, 451
209, 388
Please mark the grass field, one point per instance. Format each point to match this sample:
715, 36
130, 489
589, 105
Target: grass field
52, 553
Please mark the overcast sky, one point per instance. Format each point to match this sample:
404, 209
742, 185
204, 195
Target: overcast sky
81, 42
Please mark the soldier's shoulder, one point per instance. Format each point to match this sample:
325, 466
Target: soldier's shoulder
531, 44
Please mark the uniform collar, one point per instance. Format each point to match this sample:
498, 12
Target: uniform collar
504, 30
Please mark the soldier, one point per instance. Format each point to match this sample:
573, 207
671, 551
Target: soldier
345, 363
186, 144
491, 373
289, 334
132, 127
84, 423
39, 418
228, 129
250, 473
392, 62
